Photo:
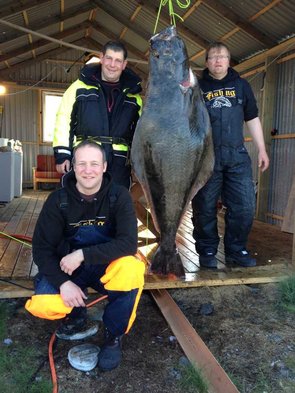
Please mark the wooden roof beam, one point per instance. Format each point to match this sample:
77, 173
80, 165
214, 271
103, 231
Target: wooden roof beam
6, 72
191, 9
42, 42
242, 24
40, 24
264, 10
62, 10
132, 18
30, 39
112, 36
236, 29
105, 7
253, 17
20, 6
184, 31
260, 58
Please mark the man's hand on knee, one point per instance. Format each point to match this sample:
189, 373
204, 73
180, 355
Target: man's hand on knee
72, 261
72, 295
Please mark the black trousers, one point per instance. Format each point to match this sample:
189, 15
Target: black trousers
234, 185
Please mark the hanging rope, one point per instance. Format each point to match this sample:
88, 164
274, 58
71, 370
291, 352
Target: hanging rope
172, 14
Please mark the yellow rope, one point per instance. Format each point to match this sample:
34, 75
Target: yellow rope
14, 238
181, 4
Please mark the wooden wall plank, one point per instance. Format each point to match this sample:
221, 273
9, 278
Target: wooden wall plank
289, 216
267, 115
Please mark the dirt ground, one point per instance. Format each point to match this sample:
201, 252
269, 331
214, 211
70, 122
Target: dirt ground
251, 337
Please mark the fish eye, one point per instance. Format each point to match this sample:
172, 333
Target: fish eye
155, 53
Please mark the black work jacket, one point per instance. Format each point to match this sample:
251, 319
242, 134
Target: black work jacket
88, 115
105, 229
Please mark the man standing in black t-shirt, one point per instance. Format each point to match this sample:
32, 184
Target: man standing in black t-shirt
230, 102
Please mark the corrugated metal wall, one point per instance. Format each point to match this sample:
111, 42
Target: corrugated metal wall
20, 121
21, 118
282, 157
256, 82
282, 167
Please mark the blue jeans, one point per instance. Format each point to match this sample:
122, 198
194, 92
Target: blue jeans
234, 184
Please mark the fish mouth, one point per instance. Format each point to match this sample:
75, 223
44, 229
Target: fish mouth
164, 35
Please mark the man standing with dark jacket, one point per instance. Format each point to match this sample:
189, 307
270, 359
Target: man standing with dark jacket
230, 102
86, 236
103, 104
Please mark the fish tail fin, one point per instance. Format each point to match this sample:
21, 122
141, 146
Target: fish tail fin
165, 263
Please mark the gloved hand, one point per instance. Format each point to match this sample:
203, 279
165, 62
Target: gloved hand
124, 274
47, 306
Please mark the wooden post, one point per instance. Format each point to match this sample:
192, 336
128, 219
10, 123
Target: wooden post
289, 217
268, 101
293, 251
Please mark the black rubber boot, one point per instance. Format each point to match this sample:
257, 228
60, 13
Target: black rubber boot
208, 260
241, 258
110, 354
76, 329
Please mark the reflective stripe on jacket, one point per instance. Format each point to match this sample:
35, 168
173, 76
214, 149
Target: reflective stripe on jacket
83, 111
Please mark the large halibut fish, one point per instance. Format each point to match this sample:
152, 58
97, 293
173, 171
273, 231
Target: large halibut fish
172, 152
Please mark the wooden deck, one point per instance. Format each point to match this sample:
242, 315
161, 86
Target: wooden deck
271, 247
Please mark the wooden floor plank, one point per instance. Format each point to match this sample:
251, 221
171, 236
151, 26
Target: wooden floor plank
192, 344
10, 249
24, 265
220, 277
16, 250
273, 249
6, 213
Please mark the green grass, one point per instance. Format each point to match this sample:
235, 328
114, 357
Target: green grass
236, 381
17, 368
287, 294
192, 380
18, 364
262, 385
290, 363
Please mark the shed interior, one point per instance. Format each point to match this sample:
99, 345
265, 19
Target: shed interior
43, 45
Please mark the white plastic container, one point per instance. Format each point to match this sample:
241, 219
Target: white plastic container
3, 142
7, 176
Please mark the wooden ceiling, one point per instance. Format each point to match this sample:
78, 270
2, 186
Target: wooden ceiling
34, 31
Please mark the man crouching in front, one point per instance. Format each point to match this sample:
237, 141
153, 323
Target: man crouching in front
86, 236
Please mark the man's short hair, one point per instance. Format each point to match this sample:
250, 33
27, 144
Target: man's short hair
116, 46
91, 143
216, 45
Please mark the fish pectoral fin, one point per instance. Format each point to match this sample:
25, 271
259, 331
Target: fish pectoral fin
188, 83
184, 89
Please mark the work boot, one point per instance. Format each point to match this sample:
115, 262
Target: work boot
208, 260
241, 258
75, 329
110, 354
